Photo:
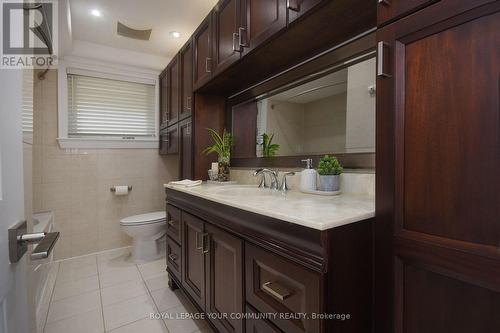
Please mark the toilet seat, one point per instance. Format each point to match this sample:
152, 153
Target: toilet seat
142, 219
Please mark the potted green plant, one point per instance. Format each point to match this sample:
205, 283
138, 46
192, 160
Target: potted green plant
329, 170
269, 149
222, 146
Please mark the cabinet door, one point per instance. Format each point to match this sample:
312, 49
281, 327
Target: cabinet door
297, 8
186, 149
438, 153
164, 82
262, 19
174, 91
186, 102
193, 259
170, 140
202, 53
388, 10
224, 276
256, 325
226, 23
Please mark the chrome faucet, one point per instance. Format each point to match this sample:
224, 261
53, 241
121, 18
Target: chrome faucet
275, 184
284, 186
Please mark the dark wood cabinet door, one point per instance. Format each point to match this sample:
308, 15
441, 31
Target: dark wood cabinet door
438, 162
255, 325
297, 8
261, 20
193, 259
174, 223
202, 43
186, 149
174, 258
226, 22
186, 102
170, 140
174, 91
164, 82
224, 277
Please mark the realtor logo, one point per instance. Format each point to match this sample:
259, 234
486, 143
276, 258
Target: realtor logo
29, 34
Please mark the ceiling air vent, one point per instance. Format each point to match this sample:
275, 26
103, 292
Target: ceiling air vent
125, 31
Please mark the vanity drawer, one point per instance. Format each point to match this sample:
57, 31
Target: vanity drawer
277, 285
174, 258
174, 223
258, 325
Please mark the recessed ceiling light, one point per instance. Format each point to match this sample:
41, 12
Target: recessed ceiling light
175, 34
95, 12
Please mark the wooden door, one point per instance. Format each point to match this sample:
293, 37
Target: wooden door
164, 81
255, 325
224, 277
261, 20
193, 259
186, 102
174, 91
438, 160
186, 149
226, 27
388, 10
297, 8
202, 42
170, 140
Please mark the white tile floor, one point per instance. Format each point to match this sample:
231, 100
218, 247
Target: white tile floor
107, 293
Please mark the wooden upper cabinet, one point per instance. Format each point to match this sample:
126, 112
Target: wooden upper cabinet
261, 20
174, 91
186, 149
164, 86
297, 8
202, 42
226, 20
388, 10
186, 102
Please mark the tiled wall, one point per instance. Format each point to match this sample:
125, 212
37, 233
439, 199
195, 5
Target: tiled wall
75, 184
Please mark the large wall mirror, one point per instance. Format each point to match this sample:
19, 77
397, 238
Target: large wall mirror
330, 112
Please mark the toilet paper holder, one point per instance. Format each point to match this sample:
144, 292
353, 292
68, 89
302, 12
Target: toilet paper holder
113, 189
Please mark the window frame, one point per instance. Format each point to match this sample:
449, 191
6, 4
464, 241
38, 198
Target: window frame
106, 71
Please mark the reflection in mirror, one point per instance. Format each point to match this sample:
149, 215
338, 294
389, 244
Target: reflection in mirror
332, 114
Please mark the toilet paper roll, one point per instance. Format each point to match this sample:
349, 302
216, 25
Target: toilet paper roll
121, 190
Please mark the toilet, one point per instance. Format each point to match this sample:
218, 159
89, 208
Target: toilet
148, 234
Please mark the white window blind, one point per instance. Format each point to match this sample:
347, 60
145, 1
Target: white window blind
112, 108
27, 101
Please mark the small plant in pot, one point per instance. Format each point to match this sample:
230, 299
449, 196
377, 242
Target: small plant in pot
222, 146
329, 170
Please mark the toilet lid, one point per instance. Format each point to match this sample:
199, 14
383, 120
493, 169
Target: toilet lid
144, 218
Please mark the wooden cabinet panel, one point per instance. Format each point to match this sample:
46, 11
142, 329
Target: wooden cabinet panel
244, 120
174, 258
186, 149
261, 20
254, 325
169, 141
297, 8
174, 91
224, 278
193, 259
388, 10
186, 102
438, 143
164, 86
202, 43
226, 23
274, 284
174, 223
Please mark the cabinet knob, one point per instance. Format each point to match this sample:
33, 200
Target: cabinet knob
172, 257
381, 46
207, 68
171, 223
384, 2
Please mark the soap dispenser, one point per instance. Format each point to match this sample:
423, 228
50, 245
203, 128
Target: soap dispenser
308, 177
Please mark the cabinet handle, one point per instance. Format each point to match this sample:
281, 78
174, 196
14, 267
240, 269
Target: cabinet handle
188, 103
197, 237
203, 243
384, 2
172, 257
242, 31
296, 8
207, 69
188, 128
276, 290
380, 61
236, 41
171, 223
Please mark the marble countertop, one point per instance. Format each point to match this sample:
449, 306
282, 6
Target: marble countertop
313, 211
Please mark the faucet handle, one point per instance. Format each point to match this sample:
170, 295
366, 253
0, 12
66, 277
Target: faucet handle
262, 183
284, 186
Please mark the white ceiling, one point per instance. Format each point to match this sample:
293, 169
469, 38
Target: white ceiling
163, 16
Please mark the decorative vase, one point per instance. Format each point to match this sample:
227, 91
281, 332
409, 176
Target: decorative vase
223, 169
329, 183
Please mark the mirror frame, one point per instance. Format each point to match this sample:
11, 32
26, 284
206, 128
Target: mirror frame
353, 51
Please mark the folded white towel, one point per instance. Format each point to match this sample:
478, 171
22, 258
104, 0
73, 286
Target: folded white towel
186, 183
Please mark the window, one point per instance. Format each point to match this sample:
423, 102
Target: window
102, 107
27, 101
